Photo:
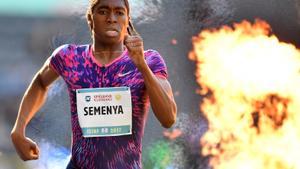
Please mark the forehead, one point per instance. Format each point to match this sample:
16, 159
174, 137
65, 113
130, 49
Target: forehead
111, 4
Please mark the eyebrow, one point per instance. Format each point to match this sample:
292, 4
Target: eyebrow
116, 8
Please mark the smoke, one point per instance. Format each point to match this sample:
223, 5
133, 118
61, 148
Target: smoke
185, 149
51, 157
144, 11
298, 10
209, 13
222, 10
53, 121
56, 89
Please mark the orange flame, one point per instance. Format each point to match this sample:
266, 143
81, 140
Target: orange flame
251, 87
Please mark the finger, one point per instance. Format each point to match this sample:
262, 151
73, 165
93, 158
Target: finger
134, 49
34, 149
34, 153
133, 40
25, 152
132, 44
130, 38
23, 156
34, 156
28, 156
130, 41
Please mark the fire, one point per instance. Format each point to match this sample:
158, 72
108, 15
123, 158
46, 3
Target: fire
251, 87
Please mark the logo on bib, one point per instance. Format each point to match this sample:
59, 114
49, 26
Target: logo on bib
88, 98
118, 97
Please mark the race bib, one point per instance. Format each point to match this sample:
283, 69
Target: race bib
104, 112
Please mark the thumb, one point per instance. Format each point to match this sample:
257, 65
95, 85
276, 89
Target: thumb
34, 150
126, 37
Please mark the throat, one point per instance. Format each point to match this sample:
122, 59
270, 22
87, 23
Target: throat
106, 55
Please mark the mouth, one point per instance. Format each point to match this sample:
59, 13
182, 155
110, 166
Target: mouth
112, 29
112, 32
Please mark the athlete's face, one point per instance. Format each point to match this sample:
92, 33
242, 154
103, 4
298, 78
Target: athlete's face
109, 21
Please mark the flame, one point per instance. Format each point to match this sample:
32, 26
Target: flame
251, 87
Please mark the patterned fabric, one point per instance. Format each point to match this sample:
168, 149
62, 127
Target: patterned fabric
78, 67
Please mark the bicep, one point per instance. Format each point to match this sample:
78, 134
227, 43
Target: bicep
47, 75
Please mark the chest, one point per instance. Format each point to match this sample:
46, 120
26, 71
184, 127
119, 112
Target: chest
89, 75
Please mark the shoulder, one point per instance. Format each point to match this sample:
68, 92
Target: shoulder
153, 56
70, 49
151, 53
63, 49
156, 63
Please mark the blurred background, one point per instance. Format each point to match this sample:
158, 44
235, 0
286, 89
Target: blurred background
30, 30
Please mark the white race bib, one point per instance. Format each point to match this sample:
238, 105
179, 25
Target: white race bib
104, 112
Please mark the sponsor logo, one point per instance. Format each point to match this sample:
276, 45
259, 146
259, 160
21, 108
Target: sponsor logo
88, 98
118, 97
124, 74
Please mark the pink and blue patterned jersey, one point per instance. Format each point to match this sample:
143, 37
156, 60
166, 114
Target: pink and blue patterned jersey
79, 69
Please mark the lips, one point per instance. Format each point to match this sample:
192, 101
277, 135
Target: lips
112, 32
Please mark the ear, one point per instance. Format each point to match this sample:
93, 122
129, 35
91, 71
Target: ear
90, 21
129, 20
128, 33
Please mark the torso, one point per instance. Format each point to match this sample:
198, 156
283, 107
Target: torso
81, 70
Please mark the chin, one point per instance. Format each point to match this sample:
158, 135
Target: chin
112, 41
104, 39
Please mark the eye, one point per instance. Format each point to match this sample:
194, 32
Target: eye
120, 13
102, 12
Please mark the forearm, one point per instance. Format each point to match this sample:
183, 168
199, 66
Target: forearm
161, 97
33, 99
159, 91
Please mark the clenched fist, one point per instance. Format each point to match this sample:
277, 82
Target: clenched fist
134, 44
25, 147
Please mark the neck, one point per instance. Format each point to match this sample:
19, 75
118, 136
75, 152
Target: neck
105, 53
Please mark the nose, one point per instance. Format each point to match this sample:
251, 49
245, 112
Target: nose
111, 18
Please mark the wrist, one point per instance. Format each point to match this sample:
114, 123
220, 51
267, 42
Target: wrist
16, 135
142, 66
17, 132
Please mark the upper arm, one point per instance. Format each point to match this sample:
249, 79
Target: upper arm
47, 75
165, 84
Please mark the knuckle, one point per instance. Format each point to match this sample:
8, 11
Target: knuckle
25, 159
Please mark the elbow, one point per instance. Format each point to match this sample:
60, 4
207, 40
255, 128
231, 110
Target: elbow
168, 124
171, 121
40, 82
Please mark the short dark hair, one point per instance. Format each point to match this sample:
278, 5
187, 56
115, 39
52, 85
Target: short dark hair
93, 3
